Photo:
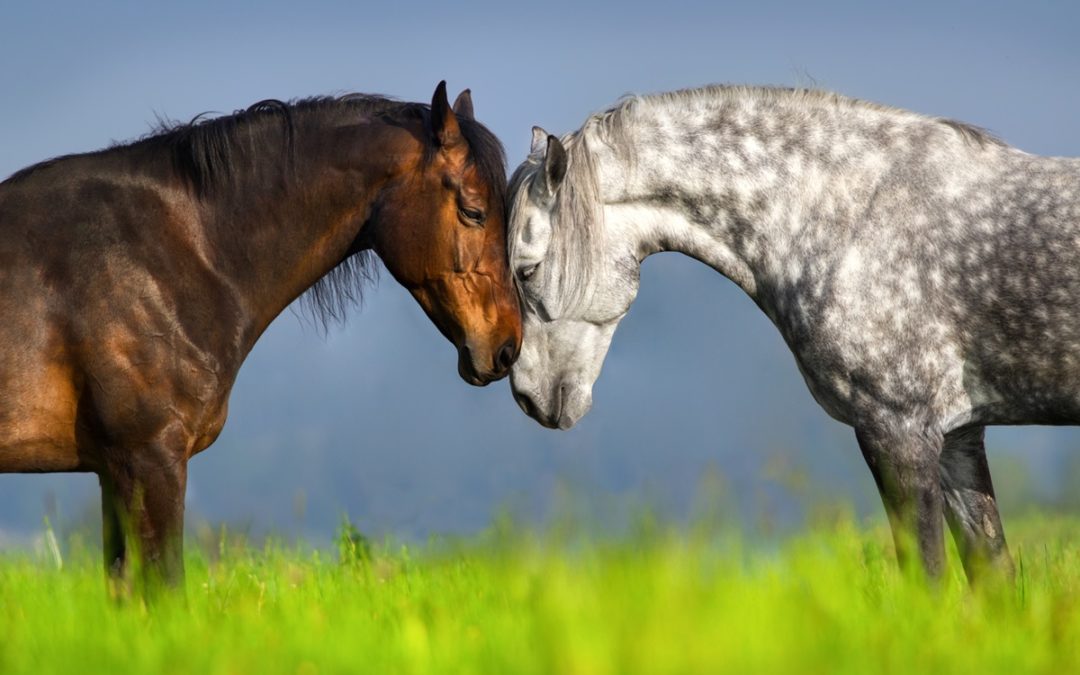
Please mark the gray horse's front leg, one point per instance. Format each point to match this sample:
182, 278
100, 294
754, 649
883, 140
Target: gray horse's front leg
970, 505
905, 467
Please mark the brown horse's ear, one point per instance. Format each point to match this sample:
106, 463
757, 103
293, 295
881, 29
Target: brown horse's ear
463, 105
444, 125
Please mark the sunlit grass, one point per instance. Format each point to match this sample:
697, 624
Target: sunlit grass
827, 601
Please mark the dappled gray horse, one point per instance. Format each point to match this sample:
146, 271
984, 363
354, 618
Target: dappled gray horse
925, 275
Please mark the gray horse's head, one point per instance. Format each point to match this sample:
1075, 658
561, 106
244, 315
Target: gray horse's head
576, 283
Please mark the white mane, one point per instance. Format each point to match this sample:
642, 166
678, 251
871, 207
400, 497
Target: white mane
577, 223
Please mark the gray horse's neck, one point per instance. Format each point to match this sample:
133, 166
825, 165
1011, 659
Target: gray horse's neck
762, 186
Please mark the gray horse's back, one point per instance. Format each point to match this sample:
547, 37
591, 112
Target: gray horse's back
1018, 301
956, 298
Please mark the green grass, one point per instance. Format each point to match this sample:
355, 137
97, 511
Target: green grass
827, 601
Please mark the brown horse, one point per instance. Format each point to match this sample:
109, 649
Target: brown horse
135, 280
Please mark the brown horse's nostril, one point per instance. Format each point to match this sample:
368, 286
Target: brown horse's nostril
466, 368
506, 356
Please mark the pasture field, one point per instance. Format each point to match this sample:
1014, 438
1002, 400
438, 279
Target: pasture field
658, 600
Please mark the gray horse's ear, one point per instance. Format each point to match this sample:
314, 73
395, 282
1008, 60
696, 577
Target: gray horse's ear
554, 169
555, 162
463, 105
539, 140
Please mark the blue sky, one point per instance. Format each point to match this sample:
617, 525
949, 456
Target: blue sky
372, 419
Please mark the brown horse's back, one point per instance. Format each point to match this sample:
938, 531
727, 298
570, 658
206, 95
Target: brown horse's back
81, 294
38, 408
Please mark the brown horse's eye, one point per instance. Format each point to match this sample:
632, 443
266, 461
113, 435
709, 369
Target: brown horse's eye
474, 215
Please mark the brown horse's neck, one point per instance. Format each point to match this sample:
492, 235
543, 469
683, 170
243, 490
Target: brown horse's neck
279, 227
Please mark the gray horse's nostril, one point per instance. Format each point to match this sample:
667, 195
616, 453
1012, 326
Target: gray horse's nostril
560, 401
525, 403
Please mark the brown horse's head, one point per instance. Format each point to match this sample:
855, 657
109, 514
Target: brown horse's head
442, 235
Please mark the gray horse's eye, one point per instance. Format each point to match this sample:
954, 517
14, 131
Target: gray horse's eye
528, 271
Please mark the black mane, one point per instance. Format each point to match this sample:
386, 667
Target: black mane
203, 149
203, 152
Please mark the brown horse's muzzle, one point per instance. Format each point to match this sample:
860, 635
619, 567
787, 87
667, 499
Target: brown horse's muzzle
487, 367
479, 318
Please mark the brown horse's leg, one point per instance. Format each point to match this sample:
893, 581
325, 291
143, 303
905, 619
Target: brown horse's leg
113, 538
148, 506
905, 468
971, 508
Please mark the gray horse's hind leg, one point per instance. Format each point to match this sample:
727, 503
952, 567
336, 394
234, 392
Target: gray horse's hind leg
905, 467
970, 505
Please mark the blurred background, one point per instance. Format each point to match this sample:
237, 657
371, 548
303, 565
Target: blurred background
699, 395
